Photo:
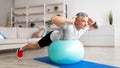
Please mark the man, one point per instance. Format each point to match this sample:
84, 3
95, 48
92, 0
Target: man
71, 29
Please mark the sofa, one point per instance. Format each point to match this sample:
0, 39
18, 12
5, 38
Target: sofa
17, 37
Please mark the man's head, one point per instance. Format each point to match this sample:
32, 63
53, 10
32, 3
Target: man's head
82, 20
81, 14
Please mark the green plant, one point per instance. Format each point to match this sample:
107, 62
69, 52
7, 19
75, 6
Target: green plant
32, 24
110, 18
48, 9
58, 15
56, 8
48, 22
20, 26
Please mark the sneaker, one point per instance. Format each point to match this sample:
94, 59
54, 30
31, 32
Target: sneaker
19, 53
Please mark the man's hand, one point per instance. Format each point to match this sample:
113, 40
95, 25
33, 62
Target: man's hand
90, 21
92, 24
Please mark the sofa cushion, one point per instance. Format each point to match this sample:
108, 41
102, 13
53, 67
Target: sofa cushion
11, 32
26, 32
11, 46
33, 40
12, 41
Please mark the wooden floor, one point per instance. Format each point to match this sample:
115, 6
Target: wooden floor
105, 55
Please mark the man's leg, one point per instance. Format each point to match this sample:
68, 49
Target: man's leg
31, 46
28, 46
45, 41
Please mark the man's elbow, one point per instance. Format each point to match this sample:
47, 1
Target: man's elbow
95, 25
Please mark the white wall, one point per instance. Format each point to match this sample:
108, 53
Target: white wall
117, 26
5, 6
99, 10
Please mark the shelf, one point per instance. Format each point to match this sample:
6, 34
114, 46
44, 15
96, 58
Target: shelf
35, 6
19, 23
19, 14
29, 21
29, 14
37, 21
36, 13
54, 4
19, 8
39, 13
55, 12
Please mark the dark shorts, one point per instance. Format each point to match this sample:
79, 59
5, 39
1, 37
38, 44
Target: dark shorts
45, 41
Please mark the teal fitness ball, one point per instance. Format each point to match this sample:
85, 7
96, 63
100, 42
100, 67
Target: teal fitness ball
66, 51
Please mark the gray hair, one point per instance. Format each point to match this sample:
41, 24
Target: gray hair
81, 14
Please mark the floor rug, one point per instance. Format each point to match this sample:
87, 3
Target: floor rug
81, 64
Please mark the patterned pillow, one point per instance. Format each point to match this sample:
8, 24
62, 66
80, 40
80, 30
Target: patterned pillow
3, 34
45, 31
1, 37
38, 34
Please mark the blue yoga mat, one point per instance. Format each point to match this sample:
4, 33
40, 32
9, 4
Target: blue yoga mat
81, 64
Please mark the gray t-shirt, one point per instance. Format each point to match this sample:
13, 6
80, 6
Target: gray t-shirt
69, 32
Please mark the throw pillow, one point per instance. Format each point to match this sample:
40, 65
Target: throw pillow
37, 34
44, 32
1, 37
3, 34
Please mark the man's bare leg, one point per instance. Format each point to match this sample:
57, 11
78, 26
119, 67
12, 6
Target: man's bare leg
31, 46
28, 46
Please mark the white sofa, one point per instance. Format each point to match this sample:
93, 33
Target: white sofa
17, 37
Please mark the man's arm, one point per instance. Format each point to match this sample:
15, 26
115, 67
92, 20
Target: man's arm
92, 24
60, 21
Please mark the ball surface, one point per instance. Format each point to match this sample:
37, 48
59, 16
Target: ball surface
66, 51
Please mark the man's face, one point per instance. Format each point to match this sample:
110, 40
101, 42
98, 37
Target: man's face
81, 22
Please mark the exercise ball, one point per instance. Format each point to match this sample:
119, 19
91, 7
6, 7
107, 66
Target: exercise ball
66, 51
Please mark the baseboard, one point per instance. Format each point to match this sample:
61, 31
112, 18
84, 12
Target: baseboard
99, 45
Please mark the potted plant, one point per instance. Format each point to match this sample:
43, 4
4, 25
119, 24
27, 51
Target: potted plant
55, 8
48, 22
48, 9
110, 18
20, 26
32, 25
58, 15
